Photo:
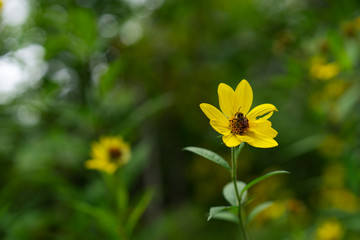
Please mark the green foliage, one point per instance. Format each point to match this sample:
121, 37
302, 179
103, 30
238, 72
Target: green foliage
228, 216
140, 69
138, 210
257, 210
230, 193
223, 213
215, 210
209, 155
259, 179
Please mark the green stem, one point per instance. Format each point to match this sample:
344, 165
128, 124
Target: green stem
118, 202
234, 178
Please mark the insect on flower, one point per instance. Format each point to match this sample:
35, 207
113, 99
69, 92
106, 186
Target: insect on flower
236, 123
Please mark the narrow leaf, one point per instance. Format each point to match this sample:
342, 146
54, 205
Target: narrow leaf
209, 155
227, 213
259, 179
143, 113
229, 192
106, 219
139, 210
258, 209
215, 210
226, 216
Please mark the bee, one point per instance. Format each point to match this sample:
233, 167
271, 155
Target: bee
242, 120
239, 124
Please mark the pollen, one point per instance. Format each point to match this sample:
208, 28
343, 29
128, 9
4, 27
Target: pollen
238, 124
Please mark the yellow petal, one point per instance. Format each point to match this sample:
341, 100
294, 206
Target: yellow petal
110, 168
243, 97
260, 111
213, 113
244, 138
90, 164
264, 128
231, 140
267, 116
94, 164
226, 98
261, 141
220, 127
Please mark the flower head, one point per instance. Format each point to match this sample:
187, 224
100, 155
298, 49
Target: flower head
236, 123
108, 154
324, 71
330, 230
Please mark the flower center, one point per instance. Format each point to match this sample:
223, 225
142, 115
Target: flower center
114, 154
238, 124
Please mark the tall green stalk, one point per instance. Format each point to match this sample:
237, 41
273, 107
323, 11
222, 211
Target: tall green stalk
234, 179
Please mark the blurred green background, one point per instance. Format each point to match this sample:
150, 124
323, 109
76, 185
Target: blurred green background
72, 71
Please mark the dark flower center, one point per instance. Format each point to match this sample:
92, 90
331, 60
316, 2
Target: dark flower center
238, 124
114, 154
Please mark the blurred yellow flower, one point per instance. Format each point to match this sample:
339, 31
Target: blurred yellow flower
330, 230
236, 123
350, 28
333, 175
290, 209
335, 89
323, 71
1, 4
332, 146
339, 198
357, 22
108, 154
276, 210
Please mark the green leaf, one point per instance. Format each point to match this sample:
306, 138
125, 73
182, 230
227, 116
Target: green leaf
108, 79
227, 216
347, 103
139, 210
138, 162
230, 193
303, 146
258, 209
220, 213
82, 26
259, 179
336, 42
215, 210
143, 113
107, 220
209, 155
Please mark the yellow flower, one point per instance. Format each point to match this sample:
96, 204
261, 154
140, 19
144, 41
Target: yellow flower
108, 154
321, 70
339, 198
276, 210
330, 230
236, 123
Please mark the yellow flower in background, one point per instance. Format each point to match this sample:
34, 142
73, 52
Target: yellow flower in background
108, 154
330, 230
1, 4
276, 210
236, 123
321, 70
332, 146
339, 198
357, 22
334, 175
